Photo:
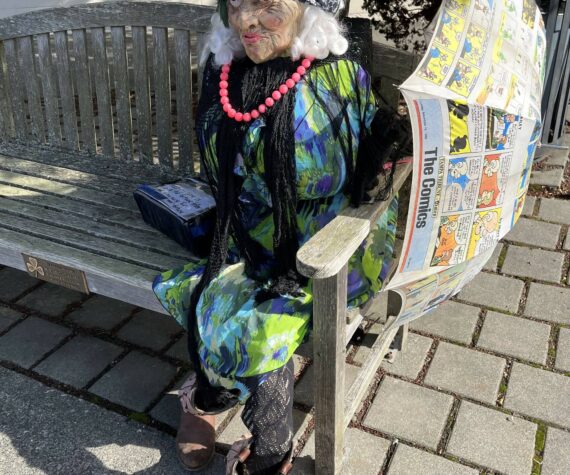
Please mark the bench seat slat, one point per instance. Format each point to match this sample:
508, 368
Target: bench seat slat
100, 73
104, 214
65, 175
127, 172
83, 84
71, 192
87, 242
116, 279
145, 240
66, 92
49, 87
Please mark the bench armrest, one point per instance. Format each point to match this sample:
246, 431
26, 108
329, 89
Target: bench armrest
329, 250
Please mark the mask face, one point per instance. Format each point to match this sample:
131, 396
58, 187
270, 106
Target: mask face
266, 27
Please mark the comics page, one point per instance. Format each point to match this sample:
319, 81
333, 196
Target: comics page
474, 104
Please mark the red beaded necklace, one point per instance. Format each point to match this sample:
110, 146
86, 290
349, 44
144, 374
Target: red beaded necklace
269, 101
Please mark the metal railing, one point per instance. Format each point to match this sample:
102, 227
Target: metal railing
557, 81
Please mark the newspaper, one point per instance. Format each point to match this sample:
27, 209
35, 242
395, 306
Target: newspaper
474, 103
186, 199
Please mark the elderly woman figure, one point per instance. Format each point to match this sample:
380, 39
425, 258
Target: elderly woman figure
290, 134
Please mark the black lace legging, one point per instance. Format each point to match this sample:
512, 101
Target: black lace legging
268, 414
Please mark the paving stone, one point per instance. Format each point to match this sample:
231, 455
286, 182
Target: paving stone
557, 211
304, 388
150, 329
8, 317
101, 312
556, 459
534, 263
46, 431
14, 283
552, 178
79, 361
563, 353
557, 157
567, 243
529, 204
409, 411
539, 393
135, 381
452, 320
180, 349
468, 372
410, 362
534, 233
548, 303
482, 290
409, 460
51, 299
364, 454
493, 439
515, 336
493, 262
29, 341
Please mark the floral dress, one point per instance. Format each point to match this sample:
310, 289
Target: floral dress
238, 337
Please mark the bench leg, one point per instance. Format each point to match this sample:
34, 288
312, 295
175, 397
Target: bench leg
401, 340
329, 327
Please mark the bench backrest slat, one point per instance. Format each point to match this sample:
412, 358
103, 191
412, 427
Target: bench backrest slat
49, 87
122, 92
163, 97
6, 119
67, 94
113, 78
142, 93
182, 60
15, 90
83, 84
101, 79
28, 72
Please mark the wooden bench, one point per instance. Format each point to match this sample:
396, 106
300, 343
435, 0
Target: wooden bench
97, 98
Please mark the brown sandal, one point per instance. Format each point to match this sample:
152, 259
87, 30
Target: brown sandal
239, 453
196, 437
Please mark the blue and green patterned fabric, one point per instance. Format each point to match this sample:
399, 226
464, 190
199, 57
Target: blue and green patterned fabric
240, 338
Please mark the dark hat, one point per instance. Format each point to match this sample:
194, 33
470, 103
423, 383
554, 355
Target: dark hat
331, 6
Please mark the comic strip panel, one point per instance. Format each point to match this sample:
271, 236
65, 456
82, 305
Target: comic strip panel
529, 13
485, 231
448, 285
482, 13
437, 64
452, 239
458, 7
461, 184
494, 180
465, 128
450, 30
501, 130
475, 45
463, 78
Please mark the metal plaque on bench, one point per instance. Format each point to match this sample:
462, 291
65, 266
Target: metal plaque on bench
56, 273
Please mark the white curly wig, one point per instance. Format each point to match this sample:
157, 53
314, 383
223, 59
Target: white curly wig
320, 35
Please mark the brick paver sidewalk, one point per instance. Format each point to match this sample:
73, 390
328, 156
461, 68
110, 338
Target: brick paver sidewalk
484, 386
